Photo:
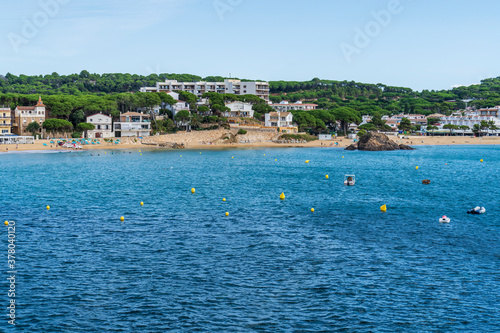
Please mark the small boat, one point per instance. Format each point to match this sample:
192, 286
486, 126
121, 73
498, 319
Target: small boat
444, 219
349, 180
477, 210
426, 181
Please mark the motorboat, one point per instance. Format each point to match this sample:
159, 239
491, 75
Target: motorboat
444, 219
349, 180
477, 210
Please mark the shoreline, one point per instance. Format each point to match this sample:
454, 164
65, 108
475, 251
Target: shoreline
194, 141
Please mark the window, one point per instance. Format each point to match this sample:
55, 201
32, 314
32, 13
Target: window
5, 131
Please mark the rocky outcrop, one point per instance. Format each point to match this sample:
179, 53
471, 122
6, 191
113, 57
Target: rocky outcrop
405, 147
373, 141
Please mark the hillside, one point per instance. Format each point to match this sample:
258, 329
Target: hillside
72, 97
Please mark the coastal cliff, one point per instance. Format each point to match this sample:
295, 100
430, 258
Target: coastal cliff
373, 141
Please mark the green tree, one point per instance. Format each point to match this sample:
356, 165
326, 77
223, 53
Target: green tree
476, 129
189, 98
377, 120
464, 128
33, 127
57, 125
182, 117
431, 129
203, 109
361, 132
346, 116
405, 125
451, 127
85, 127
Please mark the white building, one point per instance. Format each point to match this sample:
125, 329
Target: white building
133, 124
260, 89
239, 110
285, 106
103, 126
279, 119
467, 120
415, 119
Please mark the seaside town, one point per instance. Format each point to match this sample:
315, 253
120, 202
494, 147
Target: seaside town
28, 124
250, 166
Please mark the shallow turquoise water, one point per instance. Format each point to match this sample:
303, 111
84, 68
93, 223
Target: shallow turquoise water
178, 264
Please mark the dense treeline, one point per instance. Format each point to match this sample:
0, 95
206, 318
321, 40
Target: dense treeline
72, 97
369, 98
86, 82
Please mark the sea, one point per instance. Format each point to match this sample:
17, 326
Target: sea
177, 263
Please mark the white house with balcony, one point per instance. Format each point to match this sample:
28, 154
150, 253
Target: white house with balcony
229, 86
285, 106
415, 119
239, 110
278, 119
103, 126
133, 124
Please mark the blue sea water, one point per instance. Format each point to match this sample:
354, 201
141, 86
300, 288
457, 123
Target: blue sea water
178, 264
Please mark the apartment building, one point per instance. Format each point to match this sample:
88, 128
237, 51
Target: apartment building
5, 120
229, 86
133, 124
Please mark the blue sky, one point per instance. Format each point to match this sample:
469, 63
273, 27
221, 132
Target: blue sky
418, 44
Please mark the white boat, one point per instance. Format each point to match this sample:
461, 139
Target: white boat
444, 219
349, 180
477, 210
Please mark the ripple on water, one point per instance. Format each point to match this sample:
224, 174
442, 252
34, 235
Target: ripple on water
177, 263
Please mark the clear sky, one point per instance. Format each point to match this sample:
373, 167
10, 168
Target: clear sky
421, 44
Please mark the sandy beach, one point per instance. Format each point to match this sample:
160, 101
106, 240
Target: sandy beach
253, 139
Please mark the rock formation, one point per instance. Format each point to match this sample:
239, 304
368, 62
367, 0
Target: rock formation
373, 141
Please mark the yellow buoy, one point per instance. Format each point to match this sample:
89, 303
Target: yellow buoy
105, 152
307, 161
48, 207
312, 210
193, 190
342, 156
416, 168
327, 176
227, 213
181, 155
383, 208
142, 203
264, 154
6, 222
275, 160
481, 161
232, 156
200, 152
282, 196
224, 199
122, 219
141, 154
139, 151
